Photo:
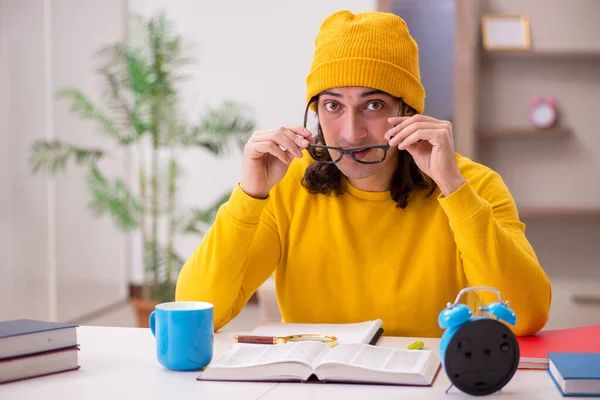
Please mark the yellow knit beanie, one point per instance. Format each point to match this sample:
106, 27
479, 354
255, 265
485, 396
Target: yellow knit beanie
369, 49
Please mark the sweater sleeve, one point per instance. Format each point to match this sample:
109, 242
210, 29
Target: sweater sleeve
239, 252
495, 251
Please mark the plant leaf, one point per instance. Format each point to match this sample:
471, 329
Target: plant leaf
220, 127
158, 264
113, 198
127, 105
191, 223
82, 106
53, 155
159, 286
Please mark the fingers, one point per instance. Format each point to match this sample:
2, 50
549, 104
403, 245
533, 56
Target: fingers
422, 134
261, 148
300, 136
301, 131
411, 129
400, 123
416, 117
299, 140
282, 143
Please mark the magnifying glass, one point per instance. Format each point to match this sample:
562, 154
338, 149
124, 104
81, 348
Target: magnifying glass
331, 341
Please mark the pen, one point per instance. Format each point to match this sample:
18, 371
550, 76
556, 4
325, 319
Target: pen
257, 339
328, 340
416, 346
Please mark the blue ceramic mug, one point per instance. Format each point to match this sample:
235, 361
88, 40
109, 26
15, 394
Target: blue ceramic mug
184, 334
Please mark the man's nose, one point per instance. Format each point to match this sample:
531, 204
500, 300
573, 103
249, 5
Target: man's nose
353, 131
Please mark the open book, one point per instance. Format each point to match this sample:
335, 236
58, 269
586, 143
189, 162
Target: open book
350, 362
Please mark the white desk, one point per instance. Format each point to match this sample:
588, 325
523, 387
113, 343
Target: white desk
120, 363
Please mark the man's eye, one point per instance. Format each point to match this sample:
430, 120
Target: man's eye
331, 106
375, 106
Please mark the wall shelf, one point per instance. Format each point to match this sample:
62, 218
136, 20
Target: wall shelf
524, 133
559, 212
543, 54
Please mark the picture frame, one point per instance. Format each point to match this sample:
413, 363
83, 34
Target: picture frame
502, 32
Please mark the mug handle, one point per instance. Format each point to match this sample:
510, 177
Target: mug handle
152, 322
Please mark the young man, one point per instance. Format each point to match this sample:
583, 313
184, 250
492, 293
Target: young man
393, 228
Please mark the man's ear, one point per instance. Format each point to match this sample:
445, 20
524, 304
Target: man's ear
408, 111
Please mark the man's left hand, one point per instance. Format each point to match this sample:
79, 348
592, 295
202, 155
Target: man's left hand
429, 141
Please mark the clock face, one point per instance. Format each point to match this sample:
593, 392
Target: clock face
543, 115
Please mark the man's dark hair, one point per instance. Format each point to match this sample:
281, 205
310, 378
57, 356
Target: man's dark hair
327, 178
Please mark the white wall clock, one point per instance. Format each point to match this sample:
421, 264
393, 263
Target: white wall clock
543, 112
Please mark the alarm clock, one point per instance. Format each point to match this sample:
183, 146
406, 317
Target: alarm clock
543, 112
479, 353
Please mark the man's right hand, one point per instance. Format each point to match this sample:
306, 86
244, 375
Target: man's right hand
265, 163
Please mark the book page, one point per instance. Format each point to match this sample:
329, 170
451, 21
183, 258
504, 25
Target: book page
246, 355
359, 332
411, 361
377, 358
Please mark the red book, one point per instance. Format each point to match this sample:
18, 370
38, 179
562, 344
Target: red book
534, 349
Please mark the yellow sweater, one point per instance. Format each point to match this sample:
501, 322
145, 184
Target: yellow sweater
357, 257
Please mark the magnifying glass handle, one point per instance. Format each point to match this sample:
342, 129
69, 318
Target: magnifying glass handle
256, 339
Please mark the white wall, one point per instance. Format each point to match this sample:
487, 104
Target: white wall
25, 205
5, 271
91, 254
254, 52
57, 261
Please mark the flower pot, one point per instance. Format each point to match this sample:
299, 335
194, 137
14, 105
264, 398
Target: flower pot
143, 308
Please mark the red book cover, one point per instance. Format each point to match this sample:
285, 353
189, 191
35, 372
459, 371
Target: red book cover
584, 339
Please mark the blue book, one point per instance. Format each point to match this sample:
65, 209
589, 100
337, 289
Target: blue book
575, 374
23, 337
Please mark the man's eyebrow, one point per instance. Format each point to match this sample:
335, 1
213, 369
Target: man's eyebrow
334, 94
362, 95
372, 92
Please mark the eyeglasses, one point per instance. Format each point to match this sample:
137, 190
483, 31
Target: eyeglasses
331, 154
363, 155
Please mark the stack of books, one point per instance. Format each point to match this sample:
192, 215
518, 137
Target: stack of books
571, 356
32, 348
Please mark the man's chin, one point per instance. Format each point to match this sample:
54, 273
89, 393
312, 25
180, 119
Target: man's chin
357, 171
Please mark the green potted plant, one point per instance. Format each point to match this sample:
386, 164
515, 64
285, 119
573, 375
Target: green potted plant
143, 115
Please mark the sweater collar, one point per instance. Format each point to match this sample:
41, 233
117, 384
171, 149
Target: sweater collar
363, 194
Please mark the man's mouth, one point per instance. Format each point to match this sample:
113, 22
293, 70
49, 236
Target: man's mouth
361, 154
